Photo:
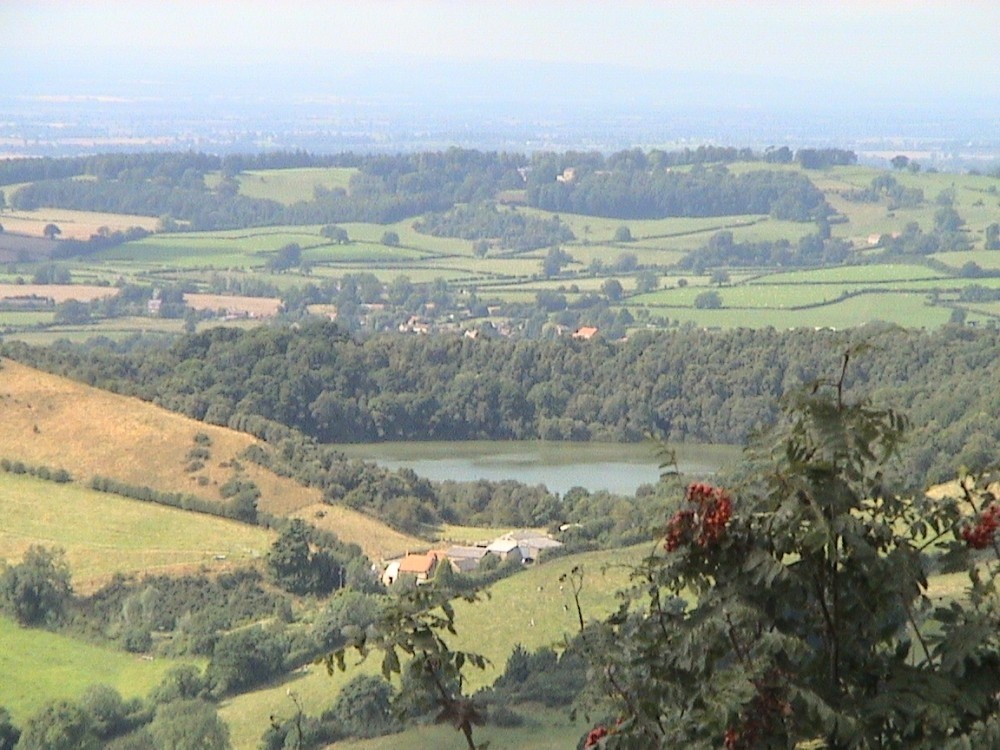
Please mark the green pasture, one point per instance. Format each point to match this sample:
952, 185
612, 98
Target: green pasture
905, 309
357, 252
287, 186
543, 729
417, 273
409, 237
19, 319
648, 253
39, 666
988, 260
117, 329
104, 534
491, 627
868, 274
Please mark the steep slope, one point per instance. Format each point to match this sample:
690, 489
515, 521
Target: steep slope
55, 422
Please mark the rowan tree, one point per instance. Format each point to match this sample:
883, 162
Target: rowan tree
797, 606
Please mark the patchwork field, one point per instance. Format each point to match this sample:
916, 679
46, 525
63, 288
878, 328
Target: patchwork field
195, 259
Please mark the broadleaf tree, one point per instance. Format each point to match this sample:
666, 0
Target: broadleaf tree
796, 608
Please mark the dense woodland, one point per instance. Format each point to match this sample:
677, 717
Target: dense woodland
629, 184
688, 385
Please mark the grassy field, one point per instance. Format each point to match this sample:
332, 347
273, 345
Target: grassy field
192, 257
544, 729
57, 292
51, 421
76, 225
104, 534
39, 666
287, 186
527, 608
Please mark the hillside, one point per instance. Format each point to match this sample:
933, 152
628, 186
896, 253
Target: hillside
104, 534
54, 422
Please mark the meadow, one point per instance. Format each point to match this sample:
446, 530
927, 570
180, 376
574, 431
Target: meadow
532, 608
51, 421
104, 534
39, 666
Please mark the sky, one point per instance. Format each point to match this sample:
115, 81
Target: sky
912, 48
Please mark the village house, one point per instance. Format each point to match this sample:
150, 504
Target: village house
585, 333
465, 559
421, 567
505, 549
531, 544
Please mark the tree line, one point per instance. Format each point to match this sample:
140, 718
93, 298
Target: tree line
684, 385
387, 188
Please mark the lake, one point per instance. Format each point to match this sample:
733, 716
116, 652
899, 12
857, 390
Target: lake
616, 467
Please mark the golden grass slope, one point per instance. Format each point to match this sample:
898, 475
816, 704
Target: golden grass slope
55, 422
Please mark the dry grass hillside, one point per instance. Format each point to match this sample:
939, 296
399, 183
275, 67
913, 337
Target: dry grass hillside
55, 422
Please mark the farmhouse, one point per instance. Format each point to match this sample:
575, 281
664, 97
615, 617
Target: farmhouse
464, 559
505, 549
531, 544
586, 333
420, 567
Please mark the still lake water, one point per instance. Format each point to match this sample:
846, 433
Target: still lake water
616, 467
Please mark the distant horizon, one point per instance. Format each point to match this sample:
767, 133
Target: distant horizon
412, 74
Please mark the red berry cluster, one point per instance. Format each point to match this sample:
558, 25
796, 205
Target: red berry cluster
595, 736
981, 535
763, 717
705, 523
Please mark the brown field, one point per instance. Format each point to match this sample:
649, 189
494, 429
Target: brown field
254, 307
58, 292
384, 542
55, 422
76, 225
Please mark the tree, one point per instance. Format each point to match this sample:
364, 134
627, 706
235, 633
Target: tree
416, 625
623, 234
37, 590
390, 238
900, 161
244, 658
719, 277
59, 725
188, 724
364, 707
708, 301
794, 608
51, 231
9, 734
554, 261
647, 281
286, 257
947, 219
296, 567
613, 289
992, 237
180, 683
335, 233
72, 312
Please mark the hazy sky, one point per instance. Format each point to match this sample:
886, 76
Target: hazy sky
915, 46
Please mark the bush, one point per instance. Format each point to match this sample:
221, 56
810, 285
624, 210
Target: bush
245, 658
37, 590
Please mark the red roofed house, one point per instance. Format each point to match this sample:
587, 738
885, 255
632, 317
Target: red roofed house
420, 567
